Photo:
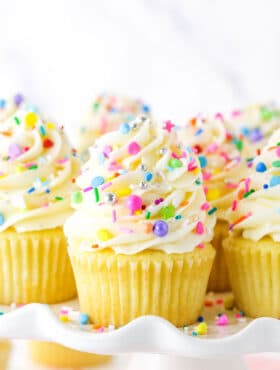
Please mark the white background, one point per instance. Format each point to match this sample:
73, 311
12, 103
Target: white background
180, 56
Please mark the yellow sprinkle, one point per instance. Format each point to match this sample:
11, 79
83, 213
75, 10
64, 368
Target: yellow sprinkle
123, 192
20, 168
216, 171
201, 328
104, 235
213, 194
2, 175
196, 171
138, 212
30, 119
50, 125
63, 318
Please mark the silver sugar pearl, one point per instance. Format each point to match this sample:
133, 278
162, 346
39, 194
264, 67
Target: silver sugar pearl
133, 125
162, 151
142, 167
110, 198
143, 185
142, 118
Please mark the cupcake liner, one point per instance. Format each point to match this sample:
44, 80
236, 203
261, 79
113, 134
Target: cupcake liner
5, 351
35, 267
219, 279
115, 289
254, 271
55, 355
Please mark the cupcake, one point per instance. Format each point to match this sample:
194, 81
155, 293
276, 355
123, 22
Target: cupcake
252, 250
9, 106
139, 237
106, 113
222, 160
37, 168
57, 356
254, 124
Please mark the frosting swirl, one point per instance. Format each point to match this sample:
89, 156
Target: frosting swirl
140, 190
36, 171
106, 113
10, 106
222, 158
255, 212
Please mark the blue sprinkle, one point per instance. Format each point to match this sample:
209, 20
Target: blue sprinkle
113, 110
194, 334
124, 128
198, 132
178, 217
123, 172
42, 130
2, 103
260, 167
265, 186
47, 191
145, 108
2, 219
274, 181
101, 158
189, 149
2, 313
245, 131
30, 190
200, 319
97, 181
148, 176
84, 319
170, 169
202, 161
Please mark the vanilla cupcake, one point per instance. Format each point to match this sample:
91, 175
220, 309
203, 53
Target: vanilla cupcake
252, 250
59, 357
37, 168
9, 106
106, 113
223, 162
254, 124
139, 238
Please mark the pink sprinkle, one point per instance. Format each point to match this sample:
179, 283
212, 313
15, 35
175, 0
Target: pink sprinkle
200, 245
222, 320
219, 116
192, 165
87, 189
205, 206
235, 113
158, 201
206, 175
30, 164
212, 148
234, 205
104, 125
14, 151
126, 230
62, 160
174, 155
231, 185
247, 184
199, 228
114, 216
114, 166
63, 312
106, 185
133, 148
101, 330
225, 156
277, 151
107, 150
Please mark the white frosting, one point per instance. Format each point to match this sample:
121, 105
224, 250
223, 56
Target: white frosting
180, 188
261, 209
35, 181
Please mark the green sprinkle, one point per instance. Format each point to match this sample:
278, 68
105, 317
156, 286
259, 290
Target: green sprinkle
148, 215
246, 195
77, 197
2, 313
178, 217
167, 212
212, 210
239, 144
17, 121
276, 163
95, 106
96, 194
58, 198
266, 114
33, 167
197, 182
250, 159
175, 163
278, 144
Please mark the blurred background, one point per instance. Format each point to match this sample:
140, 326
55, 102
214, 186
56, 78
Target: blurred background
182, 57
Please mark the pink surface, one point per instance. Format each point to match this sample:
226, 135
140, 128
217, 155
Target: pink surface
262, 362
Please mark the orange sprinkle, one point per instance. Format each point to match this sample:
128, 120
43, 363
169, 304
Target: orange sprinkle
94, 246
193, 121
6, 133
184, 203
208, 303
148, 227
240, 194
96, 326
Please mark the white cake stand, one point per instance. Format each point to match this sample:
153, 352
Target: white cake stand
149, 335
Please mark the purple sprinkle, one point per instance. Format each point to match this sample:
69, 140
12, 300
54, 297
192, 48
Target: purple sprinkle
87, 189
256, 135
18, 99
14, 151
